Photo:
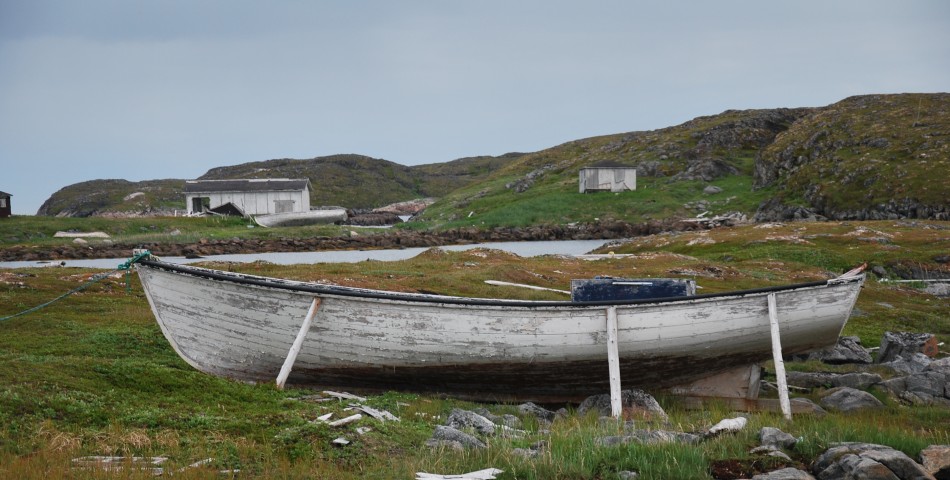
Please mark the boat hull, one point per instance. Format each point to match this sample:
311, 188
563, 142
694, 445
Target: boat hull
242, 327
299, 219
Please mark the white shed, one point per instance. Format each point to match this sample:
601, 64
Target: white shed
608, 179
255, 196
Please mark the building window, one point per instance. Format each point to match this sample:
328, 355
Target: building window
283, 206
3, 203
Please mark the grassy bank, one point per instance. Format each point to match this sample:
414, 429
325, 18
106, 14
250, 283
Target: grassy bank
93, 375
40, 231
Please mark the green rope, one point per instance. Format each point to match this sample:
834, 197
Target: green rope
127, 266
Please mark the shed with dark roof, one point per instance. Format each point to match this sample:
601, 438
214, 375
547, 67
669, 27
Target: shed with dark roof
5, 209
253, 196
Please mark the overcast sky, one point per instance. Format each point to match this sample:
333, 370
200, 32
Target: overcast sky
140, 89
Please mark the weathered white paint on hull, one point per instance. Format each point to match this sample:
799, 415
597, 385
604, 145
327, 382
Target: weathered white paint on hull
296, 219
498, 349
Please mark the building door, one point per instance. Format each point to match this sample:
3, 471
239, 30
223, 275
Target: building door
200, 204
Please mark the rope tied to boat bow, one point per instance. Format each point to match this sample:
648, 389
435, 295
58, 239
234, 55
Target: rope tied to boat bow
125, 266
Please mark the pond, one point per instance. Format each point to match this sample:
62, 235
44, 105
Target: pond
523, 249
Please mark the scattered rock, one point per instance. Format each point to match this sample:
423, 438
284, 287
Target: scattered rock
770, 451
912, 364
785, 474
905, 344
936, 461
448, 436
541, 413
938, 289
867, 461
846, 399
507, 419
531, 452
464, 420
770, 436
728, 425
627, 475
803, 404
634, 402
712, 190
931, 386
846, 350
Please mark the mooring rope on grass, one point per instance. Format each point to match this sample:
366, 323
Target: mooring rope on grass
126, 267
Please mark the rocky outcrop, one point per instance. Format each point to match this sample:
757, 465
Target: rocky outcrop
905, 344
859, 159
867, 461
847, 350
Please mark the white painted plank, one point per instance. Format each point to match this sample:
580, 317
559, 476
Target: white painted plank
298, 342
777, 358
613, 362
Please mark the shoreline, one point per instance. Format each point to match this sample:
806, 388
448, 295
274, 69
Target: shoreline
392, 239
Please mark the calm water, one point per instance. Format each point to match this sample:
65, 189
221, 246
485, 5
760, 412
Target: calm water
523, 249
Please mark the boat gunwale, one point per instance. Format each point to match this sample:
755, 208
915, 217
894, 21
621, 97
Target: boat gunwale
320, 289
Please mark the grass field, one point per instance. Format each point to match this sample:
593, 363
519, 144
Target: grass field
93, 375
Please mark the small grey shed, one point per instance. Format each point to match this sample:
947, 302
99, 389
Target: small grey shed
608, 177
253, 196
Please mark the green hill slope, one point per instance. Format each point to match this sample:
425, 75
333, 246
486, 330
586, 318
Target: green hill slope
116, 197
352, 181
868, 157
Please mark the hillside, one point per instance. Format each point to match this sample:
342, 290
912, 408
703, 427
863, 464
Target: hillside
868, 157
865, 157
353, 181
116, 197
878, 156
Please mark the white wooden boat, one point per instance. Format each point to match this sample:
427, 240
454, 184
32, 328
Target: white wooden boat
298, 219
243, 327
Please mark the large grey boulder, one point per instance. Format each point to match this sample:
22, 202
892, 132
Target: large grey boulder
905, 344
846, 350
785, 474
451, 437
636, 401
936, 460
910, 364
929, 387
867, 461
942, 365
845, 399
541, 413
465, 420
773, 437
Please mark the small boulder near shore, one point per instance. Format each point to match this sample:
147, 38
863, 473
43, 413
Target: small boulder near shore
634, 402
846, 399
